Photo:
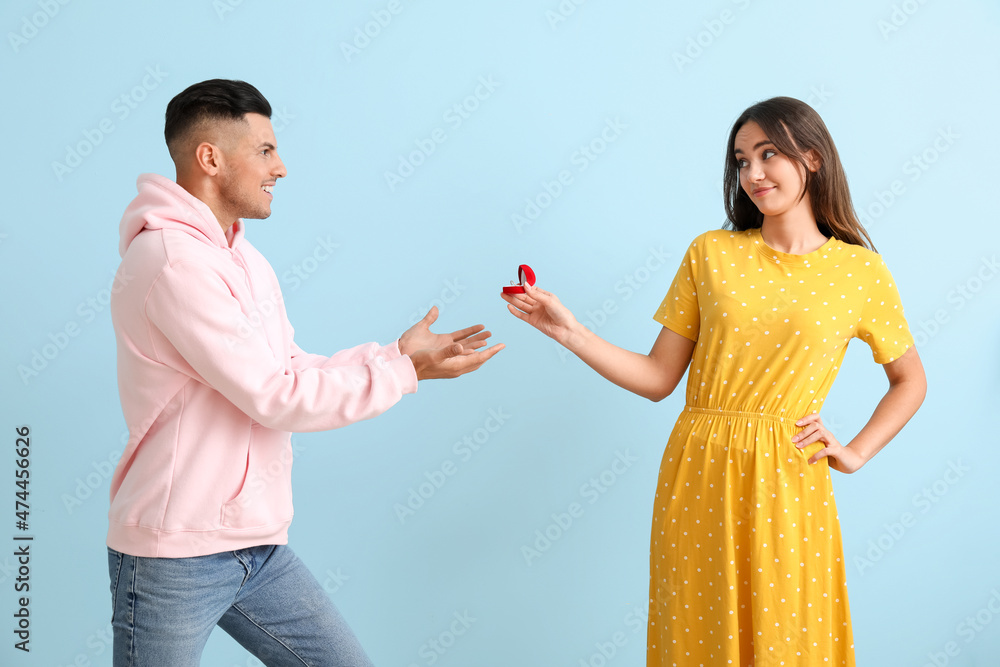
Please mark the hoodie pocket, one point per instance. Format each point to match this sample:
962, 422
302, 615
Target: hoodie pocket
265, 497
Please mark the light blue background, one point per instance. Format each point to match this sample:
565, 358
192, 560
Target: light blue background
890, 79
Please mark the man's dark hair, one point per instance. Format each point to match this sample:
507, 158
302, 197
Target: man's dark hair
212, 100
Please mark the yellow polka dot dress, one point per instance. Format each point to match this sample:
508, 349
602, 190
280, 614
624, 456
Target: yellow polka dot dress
746, 560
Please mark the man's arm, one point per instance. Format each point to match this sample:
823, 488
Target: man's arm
354, 356
417, 340
204, 332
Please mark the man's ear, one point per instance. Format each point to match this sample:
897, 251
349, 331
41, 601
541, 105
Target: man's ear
209, 158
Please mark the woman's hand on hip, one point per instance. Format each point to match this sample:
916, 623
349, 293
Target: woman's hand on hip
841, 458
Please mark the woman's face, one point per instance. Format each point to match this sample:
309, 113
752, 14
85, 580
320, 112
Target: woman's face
773, 181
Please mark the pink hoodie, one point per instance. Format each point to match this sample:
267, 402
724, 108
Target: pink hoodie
212, 384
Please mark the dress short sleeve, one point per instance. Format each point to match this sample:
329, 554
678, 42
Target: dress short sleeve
679, 310
882, 324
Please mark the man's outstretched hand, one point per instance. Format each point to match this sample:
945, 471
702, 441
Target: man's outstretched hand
445, 355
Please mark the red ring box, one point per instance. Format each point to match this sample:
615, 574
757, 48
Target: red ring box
525, 275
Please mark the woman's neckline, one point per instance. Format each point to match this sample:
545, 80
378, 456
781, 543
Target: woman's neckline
778, 257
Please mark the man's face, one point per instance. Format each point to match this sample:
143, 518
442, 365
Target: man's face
252, 167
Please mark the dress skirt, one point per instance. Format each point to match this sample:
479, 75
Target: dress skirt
746, 557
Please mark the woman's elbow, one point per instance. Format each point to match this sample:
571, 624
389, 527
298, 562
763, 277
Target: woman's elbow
660, 393
921, 389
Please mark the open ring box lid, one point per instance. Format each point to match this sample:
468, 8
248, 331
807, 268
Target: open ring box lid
525, 275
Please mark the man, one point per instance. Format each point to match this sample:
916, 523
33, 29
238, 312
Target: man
212, 384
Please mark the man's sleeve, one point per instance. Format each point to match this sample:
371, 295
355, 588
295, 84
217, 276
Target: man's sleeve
354, 356
222, 348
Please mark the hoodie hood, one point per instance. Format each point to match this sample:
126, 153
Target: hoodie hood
162, 204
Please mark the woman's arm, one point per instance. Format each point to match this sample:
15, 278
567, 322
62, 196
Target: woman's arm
907, 388
653, 376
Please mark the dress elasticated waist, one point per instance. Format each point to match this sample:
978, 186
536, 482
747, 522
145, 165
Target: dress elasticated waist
736, 413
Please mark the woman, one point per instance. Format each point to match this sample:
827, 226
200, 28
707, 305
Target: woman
746, 559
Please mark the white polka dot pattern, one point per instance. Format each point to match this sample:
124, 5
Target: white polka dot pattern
746, 559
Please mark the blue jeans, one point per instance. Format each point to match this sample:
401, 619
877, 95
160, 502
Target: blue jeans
164, 609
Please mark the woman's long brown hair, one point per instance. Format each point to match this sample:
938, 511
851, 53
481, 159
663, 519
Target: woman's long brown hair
795, 129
